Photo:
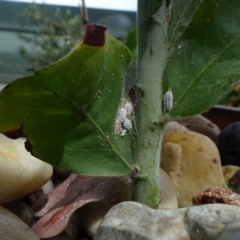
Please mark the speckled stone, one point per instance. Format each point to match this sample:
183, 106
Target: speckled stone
230, 232
206, 221
12, 228
131, 221
192, 162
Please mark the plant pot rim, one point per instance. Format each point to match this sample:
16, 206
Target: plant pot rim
223, 115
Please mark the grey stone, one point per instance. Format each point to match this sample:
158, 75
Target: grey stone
12, 228
131, 220
206, 221
230, 232
24, 212
168, 193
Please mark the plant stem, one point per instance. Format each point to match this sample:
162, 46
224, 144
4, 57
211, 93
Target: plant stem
152, 58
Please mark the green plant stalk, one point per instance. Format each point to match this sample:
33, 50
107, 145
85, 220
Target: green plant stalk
152, 58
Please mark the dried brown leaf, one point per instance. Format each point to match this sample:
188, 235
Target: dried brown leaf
57, 206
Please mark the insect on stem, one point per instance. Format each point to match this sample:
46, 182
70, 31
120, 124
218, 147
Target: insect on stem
167, 101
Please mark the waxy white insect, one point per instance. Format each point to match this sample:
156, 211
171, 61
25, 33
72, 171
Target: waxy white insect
123, 133
128, 106
122, 115
123, 121
168, 100
127, 124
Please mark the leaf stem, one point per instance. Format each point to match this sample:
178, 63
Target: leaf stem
152, 53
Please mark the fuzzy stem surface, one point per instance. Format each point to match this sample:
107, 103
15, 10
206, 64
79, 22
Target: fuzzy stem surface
152, 58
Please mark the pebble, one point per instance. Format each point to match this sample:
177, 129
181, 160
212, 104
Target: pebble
13, 228
217, 195
47, 187
32, 197
192, 162
230, 232
20, 172
234, 182
173, 126
201, 125
206, 221
131, 220
92, 214
23, 211
228, 143
229, 171
168, 193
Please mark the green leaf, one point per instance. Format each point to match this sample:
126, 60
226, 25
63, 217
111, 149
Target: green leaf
67, 111
204, 64
131, 39
182, 12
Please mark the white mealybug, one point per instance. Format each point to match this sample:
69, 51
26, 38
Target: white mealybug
128, 107
122, 115
123, 133
127, 124
123, 122
168, 100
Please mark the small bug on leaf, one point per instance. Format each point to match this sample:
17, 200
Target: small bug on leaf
127, 124
128, 107
123, 122
122, 115
123, 133
168, 100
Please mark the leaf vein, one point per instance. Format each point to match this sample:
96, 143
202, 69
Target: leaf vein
204, 69
107, 139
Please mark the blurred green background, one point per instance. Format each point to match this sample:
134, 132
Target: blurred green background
33, 35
